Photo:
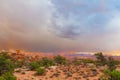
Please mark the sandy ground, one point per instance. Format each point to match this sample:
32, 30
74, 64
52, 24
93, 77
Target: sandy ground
71, 72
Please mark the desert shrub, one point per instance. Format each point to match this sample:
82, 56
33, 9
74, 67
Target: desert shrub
40, 71
5, 55
87, 61
60, 59
115, 75
34, 65
6, 65
101, 60
77, 62
2, 78
8, 76
112, 75
45, 62
111, 63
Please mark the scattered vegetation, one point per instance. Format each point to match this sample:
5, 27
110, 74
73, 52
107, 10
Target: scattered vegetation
111, 63
6, 67
111, 73
40, 71
45, 62
34, 65
101, 60
77, 62
87, 61
8, 76
60, 59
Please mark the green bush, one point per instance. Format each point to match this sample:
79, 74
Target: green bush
112, 75
111, 63
2, 78
77, 62
101, 60
40, 71
5, 55
45, 62
87, 61
6, 65
34, 65
115, 75
60, 59
8, 76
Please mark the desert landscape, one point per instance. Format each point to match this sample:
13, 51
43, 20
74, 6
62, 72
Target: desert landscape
59, 39
71, 72
59, 67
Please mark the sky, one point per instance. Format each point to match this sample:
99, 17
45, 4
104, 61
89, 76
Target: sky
60, 25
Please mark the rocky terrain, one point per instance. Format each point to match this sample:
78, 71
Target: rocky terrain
40, 66
71, 72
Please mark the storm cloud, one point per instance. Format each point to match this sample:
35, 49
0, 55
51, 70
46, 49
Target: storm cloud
60, 25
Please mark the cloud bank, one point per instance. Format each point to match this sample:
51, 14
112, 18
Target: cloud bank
60, 25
